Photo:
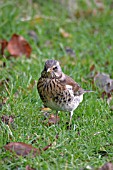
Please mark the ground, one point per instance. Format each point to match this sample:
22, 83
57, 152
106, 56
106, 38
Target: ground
78, 39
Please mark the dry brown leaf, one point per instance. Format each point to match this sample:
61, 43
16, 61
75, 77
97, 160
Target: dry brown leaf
45, 109
107, 63
29, 168
18, 46
22, 149
92, 67
3, 44
103, 95
99, 5
109, 98
105, 84
92, 72
107, 166
47, 147
53, 119
7, 119
4, 100
64, 33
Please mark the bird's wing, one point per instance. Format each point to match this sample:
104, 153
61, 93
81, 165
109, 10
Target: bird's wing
68, 81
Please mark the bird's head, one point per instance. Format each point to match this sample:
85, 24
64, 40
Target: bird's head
52, 69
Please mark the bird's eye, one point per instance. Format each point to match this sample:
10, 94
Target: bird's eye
55, 68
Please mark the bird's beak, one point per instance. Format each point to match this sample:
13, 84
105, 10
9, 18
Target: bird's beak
49, 70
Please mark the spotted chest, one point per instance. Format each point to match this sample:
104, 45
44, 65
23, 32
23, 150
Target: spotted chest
57, 96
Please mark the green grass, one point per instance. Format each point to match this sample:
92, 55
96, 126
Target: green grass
91, 40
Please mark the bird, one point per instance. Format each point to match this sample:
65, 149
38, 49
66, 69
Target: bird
59, 91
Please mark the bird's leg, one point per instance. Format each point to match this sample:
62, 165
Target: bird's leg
56, 117
71, 114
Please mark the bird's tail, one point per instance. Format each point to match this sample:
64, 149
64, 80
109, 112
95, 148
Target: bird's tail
88, 91
82, 91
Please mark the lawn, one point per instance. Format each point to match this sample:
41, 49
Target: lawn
78, 39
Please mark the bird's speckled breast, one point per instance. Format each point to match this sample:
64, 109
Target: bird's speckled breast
56, 96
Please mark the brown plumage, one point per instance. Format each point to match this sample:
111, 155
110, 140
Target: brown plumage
57, 90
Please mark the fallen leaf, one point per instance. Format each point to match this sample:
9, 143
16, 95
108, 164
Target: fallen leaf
64, 33
51, 144
92, 67
78, 133
18, 46
46, 112
57, 136
3, 44
107, 166
45, 109
105, 84
34, 36
47, 147
107, 63
99, 5
70, 52
92, 72
4, 100
105, 95
7, 119
53, 119
103, 81
22, 149
29, 168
